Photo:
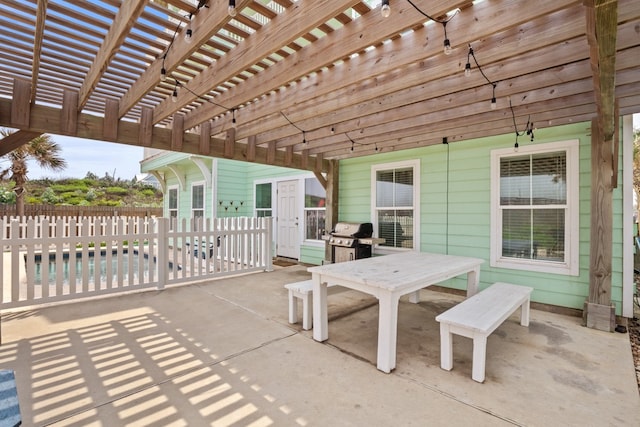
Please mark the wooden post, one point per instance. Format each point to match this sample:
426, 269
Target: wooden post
599, 312
110, 124
230, 143
205, 138
69, 113
331, 213
21, 106
177, 132
145, 131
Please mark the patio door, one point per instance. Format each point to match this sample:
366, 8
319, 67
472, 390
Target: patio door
287, 220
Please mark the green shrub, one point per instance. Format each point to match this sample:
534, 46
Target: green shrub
116, 190
70, 187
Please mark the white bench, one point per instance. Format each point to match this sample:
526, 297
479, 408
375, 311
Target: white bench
477, 317
303, 290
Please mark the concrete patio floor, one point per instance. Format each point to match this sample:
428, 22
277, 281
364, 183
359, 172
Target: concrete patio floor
223, 354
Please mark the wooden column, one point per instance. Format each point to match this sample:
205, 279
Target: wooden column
331, 213
599, 313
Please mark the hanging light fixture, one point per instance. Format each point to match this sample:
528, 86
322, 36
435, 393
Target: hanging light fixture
188, 34
385, 10
447, 43
174, 95
163, 74
493, 98
232, 8
467, 67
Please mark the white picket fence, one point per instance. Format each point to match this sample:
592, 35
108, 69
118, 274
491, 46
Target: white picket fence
63, 260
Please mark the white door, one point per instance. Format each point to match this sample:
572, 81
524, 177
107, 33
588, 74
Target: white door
287, 220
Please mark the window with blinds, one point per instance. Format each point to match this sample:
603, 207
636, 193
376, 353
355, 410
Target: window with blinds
533, 201
395, 188
537, 207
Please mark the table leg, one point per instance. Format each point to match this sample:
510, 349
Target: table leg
387, 331
320, 318
473, 280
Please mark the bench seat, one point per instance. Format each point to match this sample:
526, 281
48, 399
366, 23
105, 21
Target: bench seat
303, 290
477, 317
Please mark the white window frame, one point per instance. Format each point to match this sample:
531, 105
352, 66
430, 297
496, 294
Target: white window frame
571, 239
305, 209
204, 198
177, 209
273, 198
415, 164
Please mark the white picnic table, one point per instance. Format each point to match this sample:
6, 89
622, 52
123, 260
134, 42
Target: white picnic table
388, 278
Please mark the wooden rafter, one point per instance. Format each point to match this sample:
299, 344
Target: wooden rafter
290, 25
125, 19
37, 46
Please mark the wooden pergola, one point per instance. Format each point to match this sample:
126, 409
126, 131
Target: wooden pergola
306, 83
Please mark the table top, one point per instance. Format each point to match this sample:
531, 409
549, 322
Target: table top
397, 271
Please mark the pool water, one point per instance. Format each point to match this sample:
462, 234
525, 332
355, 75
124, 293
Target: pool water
75, 264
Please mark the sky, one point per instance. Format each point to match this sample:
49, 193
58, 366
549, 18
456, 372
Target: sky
101, 158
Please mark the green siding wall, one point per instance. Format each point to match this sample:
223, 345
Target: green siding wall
466, 203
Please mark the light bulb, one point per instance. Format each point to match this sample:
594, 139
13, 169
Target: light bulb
232, 8
174, 95
493, 103
515, 147
467, 70
188, 35
163, 74
385, 10
447, 47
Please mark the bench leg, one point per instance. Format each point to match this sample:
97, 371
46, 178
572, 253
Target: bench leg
524, 314
293, 308
479, 357
446, 347
307, 311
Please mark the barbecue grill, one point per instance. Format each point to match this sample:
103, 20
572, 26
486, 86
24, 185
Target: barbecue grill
350, 240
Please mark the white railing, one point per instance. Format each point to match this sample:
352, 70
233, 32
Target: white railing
46, 261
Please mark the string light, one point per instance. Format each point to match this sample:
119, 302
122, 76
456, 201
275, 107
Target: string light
175, 99
447, 43
528, 129
353, 143
304, 133
232, 8
385, 10
174, 95
163, 72
467, 71
493, 98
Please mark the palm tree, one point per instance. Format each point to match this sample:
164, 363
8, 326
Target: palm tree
43, 150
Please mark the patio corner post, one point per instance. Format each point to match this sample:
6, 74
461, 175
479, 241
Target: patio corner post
332, 191
162, 226
599, 311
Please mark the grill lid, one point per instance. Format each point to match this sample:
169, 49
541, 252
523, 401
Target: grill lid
353, 229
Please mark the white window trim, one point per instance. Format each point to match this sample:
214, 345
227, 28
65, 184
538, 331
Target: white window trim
204, 197
572, 229
177, 209
415, 164
273, 195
